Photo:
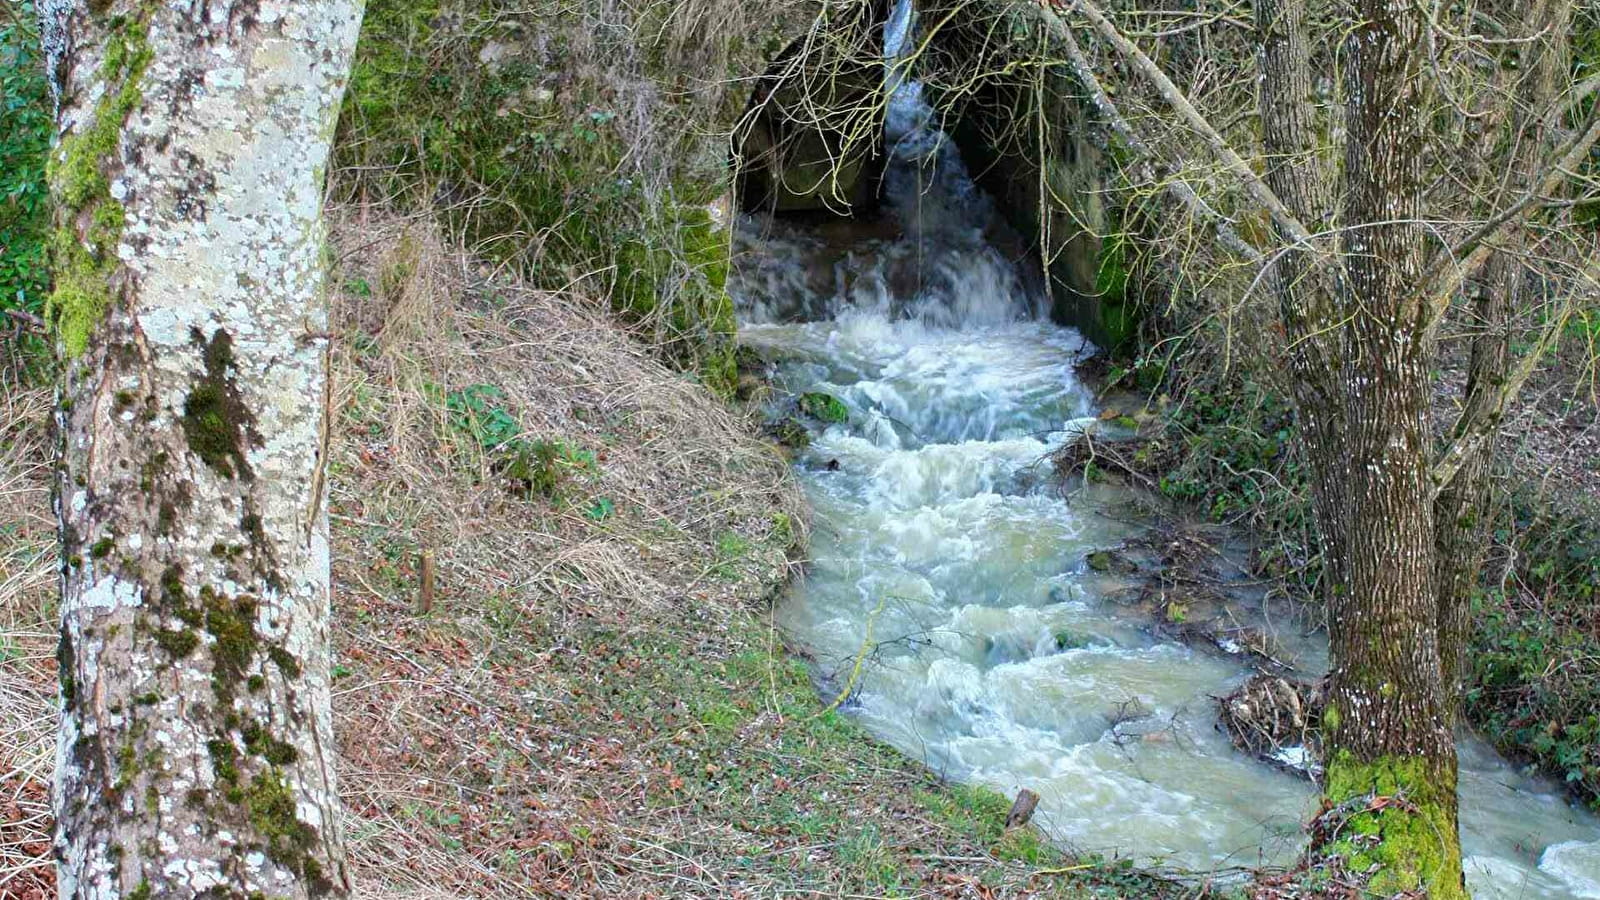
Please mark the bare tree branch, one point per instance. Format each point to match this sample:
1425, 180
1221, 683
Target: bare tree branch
1473, 431
1174, 96
1179, 190
1454, 265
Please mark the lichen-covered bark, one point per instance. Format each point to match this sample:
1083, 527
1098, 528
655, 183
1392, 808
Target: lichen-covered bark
195, 745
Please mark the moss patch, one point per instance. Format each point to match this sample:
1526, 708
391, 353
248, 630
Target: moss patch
1401, 825
824, 407
89, 222
216, 421
270, 805
231, 622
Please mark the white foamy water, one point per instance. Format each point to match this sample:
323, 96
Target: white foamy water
997, 656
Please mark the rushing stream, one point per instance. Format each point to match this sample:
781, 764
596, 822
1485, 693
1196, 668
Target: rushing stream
942, 545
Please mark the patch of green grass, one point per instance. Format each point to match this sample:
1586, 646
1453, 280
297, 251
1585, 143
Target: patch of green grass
732, 549
970, 809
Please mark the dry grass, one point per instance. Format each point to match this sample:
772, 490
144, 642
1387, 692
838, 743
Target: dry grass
597, 704
681, 473
27, 644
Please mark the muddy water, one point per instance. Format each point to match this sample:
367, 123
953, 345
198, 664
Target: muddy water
943, 551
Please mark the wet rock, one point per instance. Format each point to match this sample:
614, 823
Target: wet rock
1111, 562
1071, 640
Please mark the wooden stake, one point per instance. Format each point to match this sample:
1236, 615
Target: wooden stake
425, 590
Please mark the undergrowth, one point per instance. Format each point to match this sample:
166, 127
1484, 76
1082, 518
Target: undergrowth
24, 195
1535, 688
1226, 446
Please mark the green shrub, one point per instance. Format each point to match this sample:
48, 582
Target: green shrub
24, 143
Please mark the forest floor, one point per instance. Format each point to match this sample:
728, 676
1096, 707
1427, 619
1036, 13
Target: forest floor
596, 703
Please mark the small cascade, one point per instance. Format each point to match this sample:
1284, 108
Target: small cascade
1000, 656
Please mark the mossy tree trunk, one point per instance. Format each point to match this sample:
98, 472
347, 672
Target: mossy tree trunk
195, 751
1360, 368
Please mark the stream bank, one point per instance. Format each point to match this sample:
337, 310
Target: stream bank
972, 615
596, 703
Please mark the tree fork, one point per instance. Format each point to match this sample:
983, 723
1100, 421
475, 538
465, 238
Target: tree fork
194, 756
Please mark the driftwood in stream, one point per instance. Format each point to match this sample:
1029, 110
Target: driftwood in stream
1277, 720
1022, 809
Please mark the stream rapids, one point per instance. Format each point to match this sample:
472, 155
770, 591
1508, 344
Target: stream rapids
944, 550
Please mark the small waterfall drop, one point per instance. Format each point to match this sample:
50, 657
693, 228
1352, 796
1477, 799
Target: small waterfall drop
998, 654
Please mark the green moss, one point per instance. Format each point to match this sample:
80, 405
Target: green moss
284, 660
1330, 718
270, 806
83, 266
231, 622
127, 765
224, 761
66, 667
824, 407
142, 892
1115, 321
1405, 831
102, 548
178, 644
259, 741
215, 420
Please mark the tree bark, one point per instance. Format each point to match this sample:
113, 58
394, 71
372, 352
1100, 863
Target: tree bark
1360, 376
1386, 724
195, 750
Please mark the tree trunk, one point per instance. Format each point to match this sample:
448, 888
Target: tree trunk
1386, 724
195, 751
1461, 510
1361, 381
